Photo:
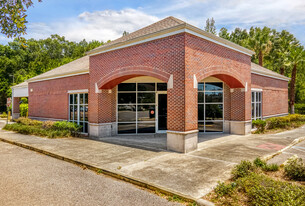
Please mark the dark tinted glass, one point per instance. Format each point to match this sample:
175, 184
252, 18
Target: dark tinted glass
86, 113
146, 112
213, 126
146, 128
253, 95
200, 112
75, 112
146, 98
81, 111
86, 127
81, 98
126, 113
200, 97
125, 128
213, 86
213, 97
213, 111
201, 126
127, 87
71, 112
200, 86
126, 98
71, 98
252, 110
162, 86
75, 98
86, 98
146, 87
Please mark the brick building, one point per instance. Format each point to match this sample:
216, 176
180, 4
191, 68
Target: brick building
169, 77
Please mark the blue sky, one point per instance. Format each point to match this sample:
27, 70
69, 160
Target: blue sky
104, 20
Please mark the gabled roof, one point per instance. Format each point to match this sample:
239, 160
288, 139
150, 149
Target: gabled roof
76, 67
21, 85
166, 27
257, 69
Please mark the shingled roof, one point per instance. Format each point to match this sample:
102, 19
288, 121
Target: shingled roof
257, 69
78, 66
162, 27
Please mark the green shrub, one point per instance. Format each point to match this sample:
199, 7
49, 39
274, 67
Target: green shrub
243, 169
223, 189
48, 124
24, 108
3, 115
299, 108
64, 125
262, 190
260, 125
295, 169
27, 121
264, 166
284, 122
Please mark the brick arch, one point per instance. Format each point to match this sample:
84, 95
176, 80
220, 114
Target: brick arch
231, 77
117, 76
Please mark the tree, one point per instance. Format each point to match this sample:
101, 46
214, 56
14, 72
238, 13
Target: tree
296, 57
210, 26
125, 33
259, 41
13, 17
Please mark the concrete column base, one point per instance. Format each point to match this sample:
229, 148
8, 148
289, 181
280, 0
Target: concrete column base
240, 127
182, 141
15, 115
102, 129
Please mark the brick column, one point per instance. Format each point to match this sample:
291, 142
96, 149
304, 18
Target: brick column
16, 110
182, 134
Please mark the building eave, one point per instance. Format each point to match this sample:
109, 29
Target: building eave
60, 76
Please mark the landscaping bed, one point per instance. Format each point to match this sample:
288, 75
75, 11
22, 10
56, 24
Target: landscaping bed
48, 129
258, 183
277, 124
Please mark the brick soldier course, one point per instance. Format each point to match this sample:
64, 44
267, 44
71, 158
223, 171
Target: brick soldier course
173, 52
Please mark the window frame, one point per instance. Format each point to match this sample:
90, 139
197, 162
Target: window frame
78, 105
254, 102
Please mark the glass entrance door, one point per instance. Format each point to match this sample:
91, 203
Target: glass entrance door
162, 111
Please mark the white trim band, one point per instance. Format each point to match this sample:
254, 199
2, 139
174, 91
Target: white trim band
276, 115
78, 91
57, 77
256, 89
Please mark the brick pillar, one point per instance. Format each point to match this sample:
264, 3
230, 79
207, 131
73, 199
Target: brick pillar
240, 112
16, 110
182, 134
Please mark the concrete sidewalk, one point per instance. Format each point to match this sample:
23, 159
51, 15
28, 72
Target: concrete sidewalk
191, 175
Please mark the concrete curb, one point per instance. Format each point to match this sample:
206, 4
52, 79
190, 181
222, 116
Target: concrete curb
116, 175
294, 142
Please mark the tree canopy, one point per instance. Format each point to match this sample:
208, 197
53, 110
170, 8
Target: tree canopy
21, 61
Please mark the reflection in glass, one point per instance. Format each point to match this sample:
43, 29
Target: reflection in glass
213, 126
201, 126
161, 86
213, 111
75, 98
200, 112
126, 98
146, 98
213, 97
86, 98
146, 112
86, 113
200, 86
146, 87
126, 113
71, 98
81, 98
81, 112
127, 87
213, 86
126, 128
71, 113
146, 127
200, 97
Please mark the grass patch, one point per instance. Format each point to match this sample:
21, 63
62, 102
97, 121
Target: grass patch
44, 129
254, 183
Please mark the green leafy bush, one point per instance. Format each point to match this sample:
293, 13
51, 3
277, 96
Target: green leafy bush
262, 190
3, 115
24, 108
260, 125
295, 169
27, 121
264, 166
243, 169
65, 125
47, 124
289, 121
223, 189
299, 108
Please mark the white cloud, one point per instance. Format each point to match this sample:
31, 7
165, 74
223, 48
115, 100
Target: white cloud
99, 25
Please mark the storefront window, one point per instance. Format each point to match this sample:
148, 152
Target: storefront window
78, 110
210, 106
137, 107
256, 103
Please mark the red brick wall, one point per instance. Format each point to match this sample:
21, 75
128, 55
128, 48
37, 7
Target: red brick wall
49, 99
181, 55
205, 59
16, 104
275, 94
159, 58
